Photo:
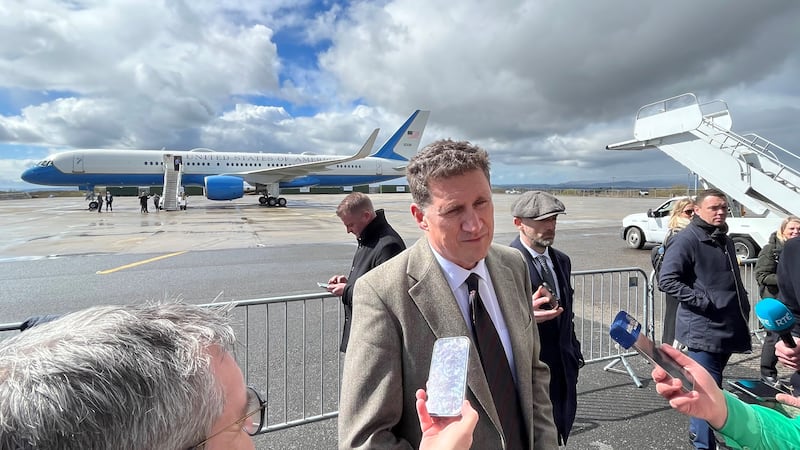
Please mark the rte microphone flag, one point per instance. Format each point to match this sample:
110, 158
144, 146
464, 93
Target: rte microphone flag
777, 318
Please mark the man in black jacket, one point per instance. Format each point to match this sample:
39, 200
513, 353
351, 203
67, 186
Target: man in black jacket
535, 215
377, 242
700, 269
789, 284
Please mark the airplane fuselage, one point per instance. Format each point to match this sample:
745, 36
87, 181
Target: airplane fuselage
105, 167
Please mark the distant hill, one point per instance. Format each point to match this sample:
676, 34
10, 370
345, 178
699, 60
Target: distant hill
620, 184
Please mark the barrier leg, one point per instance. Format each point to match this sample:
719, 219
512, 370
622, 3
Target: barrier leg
628, 369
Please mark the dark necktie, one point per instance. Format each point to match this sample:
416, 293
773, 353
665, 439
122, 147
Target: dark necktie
547, 275
496, 369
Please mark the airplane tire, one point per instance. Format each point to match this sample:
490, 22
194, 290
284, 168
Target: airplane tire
92, 206
262, 200
282, 202
272, 201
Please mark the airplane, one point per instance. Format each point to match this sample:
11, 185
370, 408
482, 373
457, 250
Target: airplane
228, 175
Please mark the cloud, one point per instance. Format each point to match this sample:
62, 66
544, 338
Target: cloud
543, 85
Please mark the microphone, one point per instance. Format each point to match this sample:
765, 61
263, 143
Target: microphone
777, 318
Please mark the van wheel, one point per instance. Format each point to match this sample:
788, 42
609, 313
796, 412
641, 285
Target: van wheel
744, 246
634, 238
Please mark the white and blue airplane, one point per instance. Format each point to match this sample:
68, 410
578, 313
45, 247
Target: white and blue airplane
228, 175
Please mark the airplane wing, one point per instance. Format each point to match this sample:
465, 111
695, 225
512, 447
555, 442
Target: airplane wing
284, 173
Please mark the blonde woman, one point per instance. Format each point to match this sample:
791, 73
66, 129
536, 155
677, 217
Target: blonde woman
681, 214
767, 279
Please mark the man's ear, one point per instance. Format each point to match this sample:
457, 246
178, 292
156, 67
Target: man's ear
419, 216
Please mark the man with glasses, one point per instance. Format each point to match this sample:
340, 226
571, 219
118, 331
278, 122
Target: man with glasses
134, 377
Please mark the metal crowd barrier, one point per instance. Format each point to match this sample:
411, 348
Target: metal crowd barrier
289, 346
599, 296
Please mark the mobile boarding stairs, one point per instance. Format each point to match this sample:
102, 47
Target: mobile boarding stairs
173, 174
748, 168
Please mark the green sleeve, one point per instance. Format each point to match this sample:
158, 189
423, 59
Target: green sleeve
756, 427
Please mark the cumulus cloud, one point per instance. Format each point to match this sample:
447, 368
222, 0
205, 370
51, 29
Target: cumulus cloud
543, 85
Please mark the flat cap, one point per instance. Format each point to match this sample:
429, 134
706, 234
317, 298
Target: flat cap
536, 205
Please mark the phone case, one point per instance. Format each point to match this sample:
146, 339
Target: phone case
756, 389
554, 302
447, 378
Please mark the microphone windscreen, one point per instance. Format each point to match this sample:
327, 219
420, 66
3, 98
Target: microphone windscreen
774, 315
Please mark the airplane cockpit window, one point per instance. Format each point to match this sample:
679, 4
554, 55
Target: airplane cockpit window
45, 163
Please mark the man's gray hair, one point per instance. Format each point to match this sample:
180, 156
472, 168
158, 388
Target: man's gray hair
121, 377
355, 203
440, 160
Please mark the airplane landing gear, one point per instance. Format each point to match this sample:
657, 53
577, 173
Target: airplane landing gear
272, 201
93, 205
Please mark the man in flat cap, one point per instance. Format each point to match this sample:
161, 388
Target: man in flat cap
535, 214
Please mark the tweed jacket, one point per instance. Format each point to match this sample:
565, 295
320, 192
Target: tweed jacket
400, 308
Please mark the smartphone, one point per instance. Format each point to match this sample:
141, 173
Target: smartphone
756, 389
447, 378
322, 285
554, 301
626, 331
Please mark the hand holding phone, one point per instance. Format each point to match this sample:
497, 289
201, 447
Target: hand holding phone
554, 301
322, 285
447, 378
626, 331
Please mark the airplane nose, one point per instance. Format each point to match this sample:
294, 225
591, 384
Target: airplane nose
29, 174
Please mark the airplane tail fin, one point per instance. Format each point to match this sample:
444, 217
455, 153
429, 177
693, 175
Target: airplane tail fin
404, 143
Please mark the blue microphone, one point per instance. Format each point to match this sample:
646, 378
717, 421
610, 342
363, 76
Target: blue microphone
777, 318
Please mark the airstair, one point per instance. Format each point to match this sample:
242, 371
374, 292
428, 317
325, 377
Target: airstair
748, 168
173, 171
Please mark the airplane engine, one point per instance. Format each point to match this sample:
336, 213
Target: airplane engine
224, 187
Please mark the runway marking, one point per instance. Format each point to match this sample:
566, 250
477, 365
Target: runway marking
139, 263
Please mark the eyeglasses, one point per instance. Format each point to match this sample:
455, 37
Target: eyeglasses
251, 423
688, 212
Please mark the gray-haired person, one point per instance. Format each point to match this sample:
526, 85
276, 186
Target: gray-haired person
127, 377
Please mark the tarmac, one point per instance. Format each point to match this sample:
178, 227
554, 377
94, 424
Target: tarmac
65, 226
612, 412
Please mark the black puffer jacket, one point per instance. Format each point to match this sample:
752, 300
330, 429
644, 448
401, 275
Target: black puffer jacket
767, 267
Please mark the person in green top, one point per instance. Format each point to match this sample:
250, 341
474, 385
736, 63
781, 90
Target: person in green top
741, 424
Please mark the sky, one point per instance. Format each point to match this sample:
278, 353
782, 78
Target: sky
542, 85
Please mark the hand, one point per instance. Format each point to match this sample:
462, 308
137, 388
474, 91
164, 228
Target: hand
336, 279
445, 433
542, 297
336, 285
705, 402
789, 357
787, 399
336, 289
